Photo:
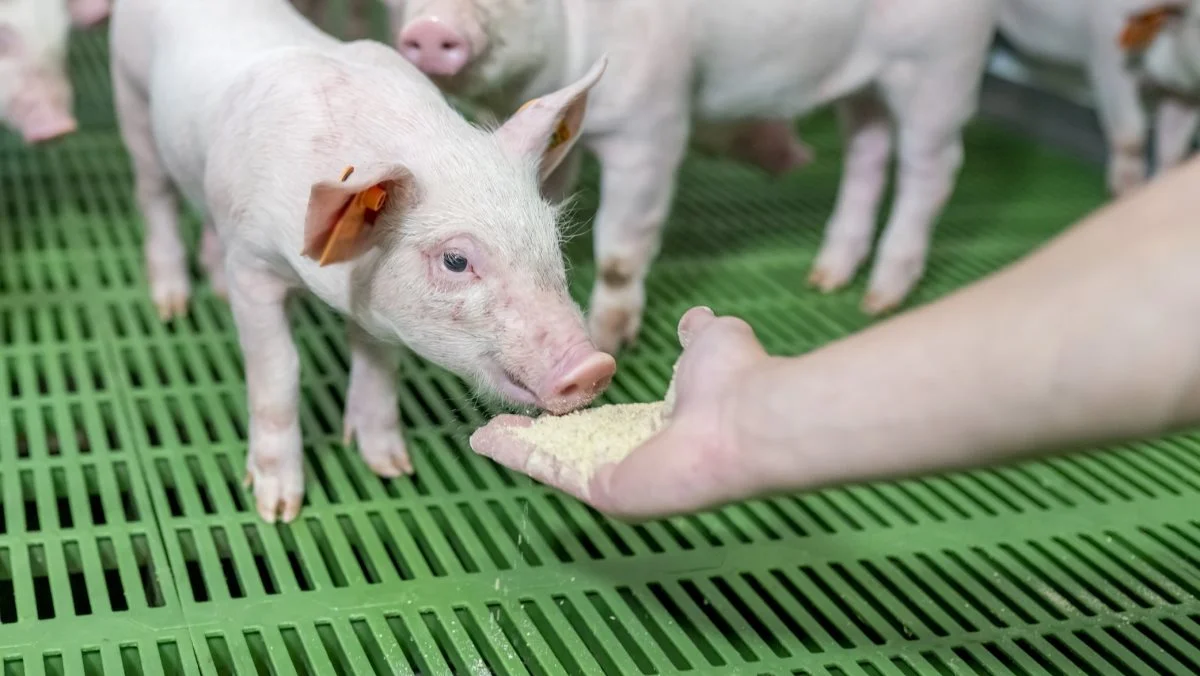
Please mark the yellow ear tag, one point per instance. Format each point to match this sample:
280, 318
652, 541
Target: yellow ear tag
359, 214
561, 134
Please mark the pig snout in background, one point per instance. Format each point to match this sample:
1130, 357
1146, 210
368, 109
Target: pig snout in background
36, 98
1086, 35
730, 78
260, 115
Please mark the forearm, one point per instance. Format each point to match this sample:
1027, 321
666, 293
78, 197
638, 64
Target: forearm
1093, 338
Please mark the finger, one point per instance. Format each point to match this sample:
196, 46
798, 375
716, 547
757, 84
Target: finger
692, 321
496, 441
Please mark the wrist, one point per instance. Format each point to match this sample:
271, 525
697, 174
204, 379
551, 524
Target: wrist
756, 438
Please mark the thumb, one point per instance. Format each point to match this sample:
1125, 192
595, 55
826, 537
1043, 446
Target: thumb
694, 321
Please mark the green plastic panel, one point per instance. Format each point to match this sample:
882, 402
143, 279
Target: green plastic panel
127, 545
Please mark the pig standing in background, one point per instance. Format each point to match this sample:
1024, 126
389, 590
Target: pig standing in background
274, 130
1086, 34
914, 64
35, 90
1170, 67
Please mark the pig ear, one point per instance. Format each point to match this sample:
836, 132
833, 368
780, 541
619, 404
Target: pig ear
339, 224
546, 128
85, 13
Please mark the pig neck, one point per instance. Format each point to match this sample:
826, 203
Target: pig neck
565, 57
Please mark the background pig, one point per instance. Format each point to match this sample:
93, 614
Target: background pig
1170, 68
254, 116
1086, 34
916, 65
35, 92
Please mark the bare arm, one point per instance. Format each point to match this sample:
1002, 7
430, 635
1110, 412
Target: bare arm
1093, 338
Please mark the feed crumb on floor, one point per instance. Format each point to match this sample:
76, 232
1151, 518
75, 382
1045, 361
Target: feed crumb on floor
591, 438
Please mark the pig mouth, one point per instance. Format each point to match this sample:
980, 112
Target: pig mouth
511, 387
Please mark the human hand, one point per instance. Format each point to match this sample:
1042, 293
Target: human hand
692, 463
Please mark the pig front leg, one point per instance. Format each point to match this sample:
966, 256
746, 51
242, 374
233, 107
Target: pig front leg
1119, 108
866, 130
212, 256
274, 463
637, 185
1175, 129
157, 199
372, 413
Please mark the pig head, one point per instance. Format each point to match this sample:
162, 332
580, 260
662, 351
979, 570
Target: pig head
464, 263
35, 92
473, 47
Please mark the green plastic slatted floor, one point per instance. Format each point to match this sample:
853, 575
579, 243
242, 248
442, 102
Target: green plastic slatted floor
128, 546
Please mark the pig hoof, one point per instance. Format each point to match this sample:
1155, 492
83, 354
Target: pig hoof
826, 280
170, 293
278, 492
614, 328
171, 306
876, 303
383, 451
1125, 173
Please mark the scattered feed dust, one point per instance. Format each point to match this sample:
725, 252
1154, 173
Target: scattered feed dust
590, 438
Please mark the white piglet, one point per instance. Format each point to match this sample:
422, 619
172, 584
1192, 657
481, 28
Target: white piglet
35, 90
1167, 63
914, 66
338, 168
1089, 35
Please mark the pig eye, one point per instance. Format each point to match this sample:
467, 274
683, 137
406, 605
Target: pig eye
454, 262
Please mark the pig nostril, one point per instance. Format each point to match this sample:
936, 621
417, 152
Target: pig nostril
449, 45
569, 391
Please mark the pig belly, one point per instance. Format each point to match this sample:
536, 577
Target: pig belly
780, 57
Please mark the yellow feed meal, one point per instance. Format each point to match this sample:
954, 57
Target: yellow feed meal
590, 438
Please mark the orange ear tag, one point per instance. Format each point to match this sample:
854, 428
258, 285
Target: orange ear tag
358, 215
1142, 28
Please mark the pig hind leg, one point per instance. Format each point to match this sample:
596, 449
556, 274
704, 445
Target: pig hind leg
274, 463
1175, 129
866, 129
930, 103
157, 199
372, 416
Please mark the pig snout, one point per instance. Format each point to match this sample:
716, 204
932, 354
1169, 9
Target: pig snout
435, 48
39, 116
578, 378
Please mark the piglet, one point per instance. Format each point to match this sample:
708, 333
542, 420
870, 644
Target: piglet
1164, 43
1099, 37
35, 91
338, 168
685, 66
